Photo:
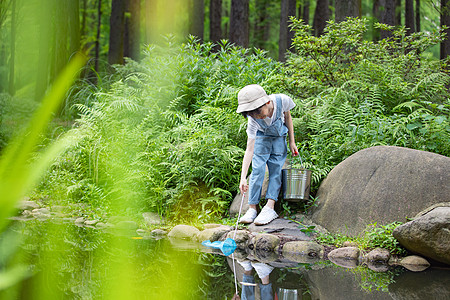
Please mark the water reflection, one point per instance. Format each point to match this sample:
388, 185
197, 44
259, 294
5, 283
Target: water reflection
65, 261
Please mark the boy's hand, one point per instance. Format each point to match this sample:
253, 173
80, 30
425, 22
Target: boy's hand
294, 149
243, 186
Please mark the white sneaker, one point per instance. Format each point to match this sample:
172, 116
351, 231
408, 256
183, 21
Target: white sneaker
266, 215
262, 269
249, 216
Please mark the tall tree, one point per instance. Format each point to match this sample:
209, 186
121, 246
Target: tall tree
215, 20
303, 11
288, 9
12, 49
132, 38
445, 21
321, 16
387, 16
262, 23
42, 74
239, 23
60, 54
97, 37
116, 32
398, 13
409, 16
197, 18
346, 8
418, 15
74, 26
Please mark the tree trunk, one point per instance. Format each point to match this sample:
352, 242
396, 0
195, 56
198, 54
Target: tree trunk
132, 38
321, 16
197, 19
74, 26
445, 21
60, 42
387, 16
347, 8
398, 13
42, 74
288, 8
304, 13
97, 40
83, 19
261, 22
116, 32
409, 17
215, 20
12, 50
417, 15
239, 22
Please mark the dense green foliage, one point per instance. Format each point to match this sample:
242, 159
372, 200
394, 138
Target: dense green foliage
167, 125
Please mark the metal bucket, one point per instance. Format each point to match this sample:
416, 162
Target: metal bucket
296, 184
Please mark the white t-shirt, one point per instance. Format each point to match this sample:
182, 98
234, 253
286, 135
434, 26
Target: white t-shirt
287, 105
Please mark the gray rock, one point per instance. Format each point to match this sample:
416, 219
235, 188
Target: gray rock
428, 235
43, 211
344, 253
91, 222
415, 263
158, 232
381, 184
241, 237
304, 248
79, 221
378, 255
283, 227
27, 205
184, 232
212, 234
266, 242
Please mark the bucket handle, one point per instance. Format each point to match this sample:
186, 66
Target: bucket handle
301, 162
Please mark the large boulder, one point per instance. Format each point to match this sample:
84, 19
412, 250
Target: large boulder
428, 235
381, 184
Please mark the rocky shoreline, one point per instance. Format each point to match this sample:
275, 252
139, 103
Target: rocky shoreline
281, 240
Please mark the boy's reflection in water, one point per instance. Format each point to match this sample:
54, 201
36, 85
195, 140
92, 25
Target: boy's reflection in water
248, 281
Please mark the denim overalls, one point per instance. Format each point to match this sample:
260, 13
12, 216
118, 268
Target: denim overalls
271, 149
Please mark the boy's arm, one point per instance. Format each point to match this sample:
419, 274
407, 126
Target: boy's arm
243, 185
290, 127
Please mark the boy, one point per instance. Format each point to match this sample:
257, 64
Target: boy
269, 121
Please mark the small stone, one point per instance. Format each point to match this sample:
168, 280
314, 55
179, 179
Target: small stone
349, 244
184, 232
44, 211
27, 205
141, 231
349, 253
158, 232
266, 242
378, 255
79, 221
91, 222
415, 263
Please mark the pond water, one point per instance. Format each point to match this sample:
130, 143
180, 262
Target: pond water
41, 260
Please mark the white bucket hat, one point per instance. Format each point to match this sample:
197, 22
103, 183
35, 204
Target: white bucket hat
251, 97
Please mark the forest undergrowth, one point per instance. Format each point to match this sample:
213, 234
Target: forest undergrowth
162, 134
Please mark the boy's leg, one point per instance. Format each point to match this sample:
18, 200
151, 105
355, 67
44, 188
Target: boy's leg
275, 164
257, 178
